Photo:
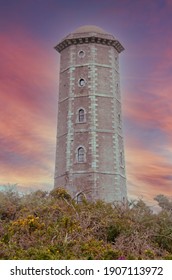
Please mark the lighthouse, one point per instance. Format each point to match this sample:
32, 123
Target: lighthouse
90, 159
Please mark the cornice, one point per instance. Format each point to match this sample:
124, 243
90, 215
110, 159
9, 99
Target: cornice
87, 40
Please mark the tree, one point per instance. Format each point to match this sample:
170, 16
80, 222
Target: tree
164, 202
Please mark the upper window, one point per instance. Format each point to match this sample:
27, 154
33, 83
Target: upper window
81, 53
80, 155
81, 82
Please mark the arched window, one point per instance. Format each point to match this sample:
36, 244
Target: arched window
80, 197
80, 155
81, 115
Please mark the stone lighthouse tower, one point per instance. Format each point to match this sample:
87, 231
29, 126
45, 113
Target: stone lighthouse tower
90, 151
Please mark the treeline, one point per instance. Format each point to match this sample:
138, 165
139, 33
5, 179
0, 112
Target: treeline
50, 226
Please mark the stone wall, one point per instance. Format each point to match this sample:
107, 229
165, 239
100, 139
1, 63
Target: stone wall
102, 174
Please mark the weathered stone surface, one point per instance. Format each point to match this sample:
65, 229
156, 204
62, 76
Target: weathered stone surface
89, 79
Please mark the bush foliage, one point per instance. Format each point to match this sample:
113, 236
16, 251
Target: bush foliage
50, 226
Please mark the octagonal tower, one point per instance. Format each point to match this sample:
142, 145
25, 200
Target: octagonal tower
90, 150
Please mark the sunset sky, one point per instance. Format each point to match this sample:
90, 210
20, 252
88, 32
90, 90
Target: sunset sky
29, 86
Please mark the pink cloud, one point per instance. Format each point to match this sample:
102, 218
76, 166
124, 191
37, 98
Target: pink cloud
147, 110
148, 173
28, 93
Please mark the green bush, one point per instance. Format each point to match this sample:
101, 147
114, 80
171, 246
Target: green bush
52, 226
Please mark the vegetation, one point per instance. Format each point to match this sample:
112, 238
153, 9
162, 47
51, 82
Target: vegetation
52, 226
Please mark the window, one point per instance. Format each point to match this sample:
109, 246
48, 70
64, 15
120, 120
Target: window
81, 82
121, 158
81, 54
81, 115
119, 119
80, 155
117, 89
80, 197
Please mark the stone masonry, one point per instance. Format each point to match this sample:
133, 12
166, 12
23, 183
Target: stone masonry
90, 151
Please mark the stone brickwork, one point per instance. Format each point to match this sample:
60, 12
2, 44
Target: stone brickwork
90, 150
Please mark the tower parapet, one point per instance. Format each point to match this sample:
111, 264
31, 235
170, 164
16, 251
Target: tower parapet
89, 34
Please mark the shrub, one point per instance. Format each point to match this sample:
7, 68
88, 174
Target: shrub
52, 226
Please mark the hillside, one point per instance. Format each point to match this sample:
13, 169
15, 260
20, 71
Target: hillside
52, 226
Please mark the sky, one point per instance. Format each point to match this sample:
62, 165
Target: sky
29, 69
